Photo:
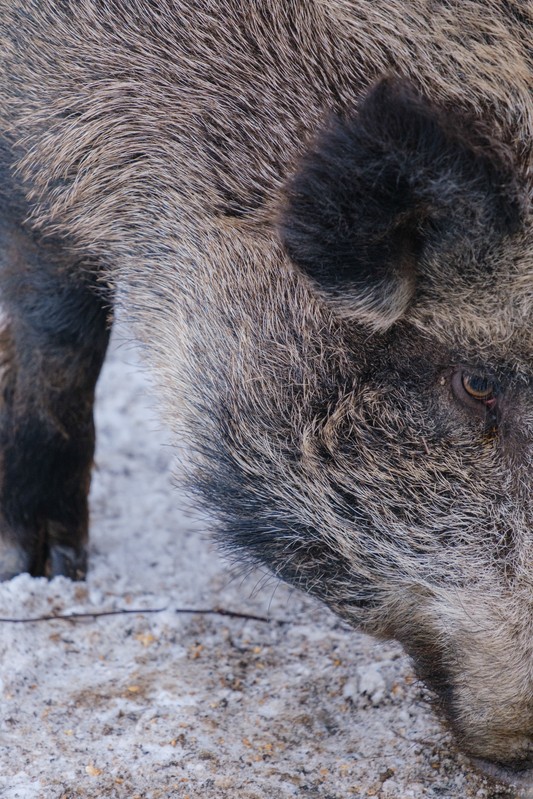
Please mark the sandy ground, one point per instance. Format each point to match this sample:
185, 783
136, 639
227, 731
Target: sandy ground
189, 706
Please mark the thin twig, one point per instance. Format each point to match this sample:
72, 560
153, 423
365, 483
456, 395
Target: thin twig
123, 611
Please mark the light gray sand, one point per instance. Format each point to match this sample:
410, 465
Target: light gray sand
196, 706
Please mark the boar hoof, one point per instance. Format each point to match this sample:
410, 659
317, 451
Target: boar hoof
66, 561
13, 560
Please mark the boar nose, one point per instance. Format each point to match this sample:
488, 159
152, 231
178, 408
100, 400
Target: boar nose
517, 774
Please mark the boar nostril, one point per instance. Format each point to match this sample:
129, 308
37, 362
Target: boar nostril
514, 773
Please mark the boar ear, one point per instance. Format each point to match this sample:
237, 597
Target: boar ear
380, 187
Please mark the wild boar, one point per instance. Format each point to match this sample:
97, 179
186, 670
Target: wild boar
317, 216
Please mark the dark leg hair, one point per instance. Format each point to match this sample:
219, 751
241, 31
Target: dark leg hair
54, 330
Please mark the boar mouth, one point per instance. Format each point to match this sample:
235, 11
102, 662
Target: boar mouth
517, 775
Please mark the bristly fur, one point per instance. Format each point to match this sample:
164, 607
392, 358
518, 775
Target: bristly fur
320, 380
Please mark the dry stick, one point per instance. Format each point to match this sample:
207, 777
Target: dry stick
96, 614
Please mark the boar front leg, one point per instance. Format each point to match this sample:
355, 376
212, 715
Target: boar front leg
54, 332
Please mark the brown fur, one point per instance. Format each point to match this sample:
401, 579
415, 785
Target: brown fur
159, 138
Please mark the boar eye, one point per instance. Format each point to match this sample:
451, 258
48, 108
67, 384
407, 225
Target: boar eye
474, 390
480, 388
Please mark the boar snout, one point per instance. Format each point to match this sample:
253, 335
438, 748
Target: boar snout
475, 653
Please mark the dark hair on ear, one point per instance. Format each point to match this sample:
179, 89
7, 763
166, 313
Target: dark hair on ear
380, 185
